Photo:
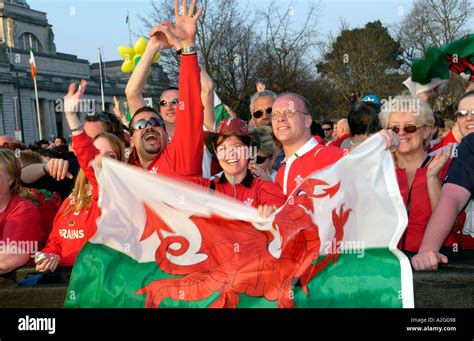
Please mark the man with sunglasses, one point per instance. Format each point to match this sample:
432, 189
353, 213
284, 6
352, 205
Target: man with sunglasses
183, 155
261, 108
168, 103
328, 130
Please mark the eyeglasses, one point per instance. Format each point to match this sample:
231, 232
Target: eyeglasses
262, 159
464, 113
410, 129
97, 116
164, 102
287, 113
142, 124
259, 113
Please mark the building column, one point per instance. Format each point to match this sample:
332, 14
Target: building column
47, 129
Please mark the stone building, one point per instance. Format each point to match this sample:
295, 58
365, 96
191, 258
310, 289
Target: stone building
20, 25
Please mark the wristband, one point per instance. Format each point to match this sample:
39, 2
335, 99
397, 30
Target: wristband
76, 129
187, 50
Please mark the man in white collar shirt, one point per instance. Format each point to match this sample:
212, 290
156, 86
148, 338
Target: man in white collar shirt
291, 122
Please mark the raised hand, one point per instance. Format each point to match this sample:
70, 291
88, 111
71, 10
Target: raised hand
439, 161
73, 97
122, 117
186, 29
162, 36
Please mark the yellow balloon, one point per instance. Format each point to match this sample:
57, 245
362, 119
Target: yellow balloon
157, 56
127, 66
140, 45
132, 55
126, 52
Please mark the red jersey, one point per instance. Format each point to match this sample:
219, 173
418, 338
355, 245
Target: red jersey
183, 155
72, 230
252, 191
48, 204
445, 141
20, 221
419, 210
340, 140
308, 159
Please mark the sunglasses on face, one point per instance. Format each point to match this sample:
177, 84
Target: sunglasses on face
410, 129
262, 159
164, 102
327, 129
259, 113
464, 113
97, 116
142, 124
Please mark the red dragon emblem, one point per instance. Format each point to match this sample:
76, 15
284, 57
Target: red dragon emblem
461, 65
238, 257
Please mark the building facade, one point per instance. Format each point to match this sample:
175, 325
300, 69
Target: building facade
22, 27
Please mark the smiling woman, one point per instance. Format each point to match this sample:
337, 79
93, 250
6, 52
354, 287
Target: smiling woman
419, 175
19, 218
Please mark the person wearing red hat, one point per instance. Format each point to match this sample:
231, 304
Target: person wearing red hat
235, 148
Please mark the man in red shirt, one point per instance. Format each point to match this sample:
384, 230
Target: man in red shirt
183, 155
343, 134
291, 123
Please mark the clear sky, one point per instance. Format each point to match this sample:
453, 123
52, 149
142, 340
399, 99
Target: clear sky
82, 26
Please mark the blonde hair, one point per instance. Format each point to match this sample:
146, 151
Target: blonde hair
12, 168
421, 110
81, 196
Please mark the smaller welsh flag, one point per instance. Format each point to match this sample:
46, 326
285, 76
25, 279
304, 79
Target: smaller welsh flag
33, 64
219, 111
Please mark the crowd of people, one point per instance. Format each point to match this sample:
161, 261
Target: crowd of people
49, 193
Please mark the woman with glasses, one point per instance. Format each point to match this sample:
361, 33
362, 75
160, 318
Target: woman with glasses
464, 124
457, 193
419, 175
75, 222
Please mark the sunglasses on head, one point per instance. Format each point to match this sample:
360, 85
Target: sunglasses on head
97, 116
408, 129
259, 113
164, 102
142, 124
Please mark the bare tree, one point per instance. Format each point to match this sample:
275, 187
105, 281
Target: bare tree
432, 23
239, 45
226, 43
289, 47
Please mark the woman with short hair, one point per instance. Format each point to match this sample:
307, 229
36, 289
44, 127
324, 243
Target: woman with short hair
419, 175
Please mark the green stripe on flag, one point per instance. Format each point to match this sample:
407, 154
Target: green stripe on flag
220, 114
105, 278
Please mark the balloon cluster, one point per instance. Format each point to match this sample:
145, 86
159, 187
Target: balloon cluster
133, 54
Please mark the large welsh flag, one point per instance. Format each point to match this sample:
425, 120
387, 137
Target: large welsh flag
161, 243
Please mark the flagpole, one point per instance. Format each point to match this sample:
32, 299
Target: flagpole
101, 81
129, 29
37, 100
